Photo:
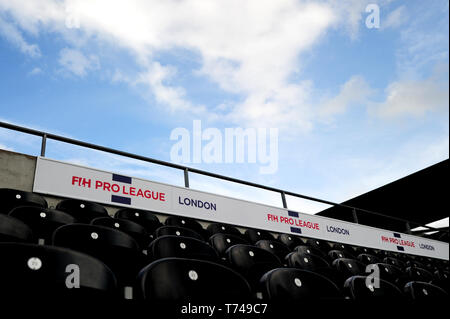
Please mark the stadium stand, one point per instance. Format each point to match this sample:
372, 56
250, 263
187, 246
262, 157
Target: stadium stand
108, 242
128, 253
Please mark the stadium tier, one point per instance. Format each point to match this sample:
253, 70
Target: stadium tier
56, 241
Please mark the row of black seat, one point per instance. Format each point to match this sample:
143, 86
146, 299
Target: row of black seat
32, 271
255, 255
133, 221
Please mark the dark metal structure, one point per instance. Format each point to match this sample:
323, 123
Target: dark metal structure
421, 197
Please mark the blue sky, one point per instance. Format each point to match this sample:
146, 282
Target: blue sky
355, 107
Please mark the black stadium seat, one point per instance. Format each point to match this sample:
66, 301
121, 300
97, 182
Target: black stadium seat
14, 230
185, 222
11, 198
116, 249
306, 262
290, 240
129, 227
181, 247
39, 272
42, 221
418, 274
179, 279
357, 288
144, 218
392, 274
367, 259
302, 249
283, 285
319, 244
83, 211
347, 268
335, 254
275, 247
395, 262
417, 290
252, 262
219, 228
343, 247
442, 279
221, 242
177, 231
363, 250
415, 264
254, 235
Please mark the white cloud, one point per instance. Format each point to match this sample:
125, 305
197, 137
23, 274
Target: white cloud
6, 148
395, 18
35, 71
250, 48
424, 39
412, 98
76, 62
174, 97
10, 32
354, 91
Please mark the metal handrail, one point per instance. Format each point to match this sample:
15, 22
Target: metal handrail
186, 170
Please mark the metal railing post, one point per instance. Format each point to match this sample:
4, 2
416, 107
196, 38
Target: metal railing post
355, 216
408, 228
186, 177
43, 144
283, 198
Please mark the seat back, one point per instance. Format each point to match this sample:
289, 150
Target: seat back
218, 228
181, 247
418, 274
221, 242
395, 262
177, 231
347, 268
335, 254
252, 262
185, 222
255, 235
392, 274
275, 247
38, 271
116, 249
129, 227
290, 284
417, 290
368, 259
306, 261
146, 219
83, 211
309, 250
11, 198
358, 288
290, 241
14, 230
180, 279
442, 279
319, 244
42, 221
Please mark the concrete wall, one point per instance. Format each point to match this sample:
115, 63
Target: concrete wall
17, 170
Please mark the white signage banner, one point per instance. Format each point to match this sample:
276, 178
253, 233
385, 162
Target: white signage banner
74, 181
